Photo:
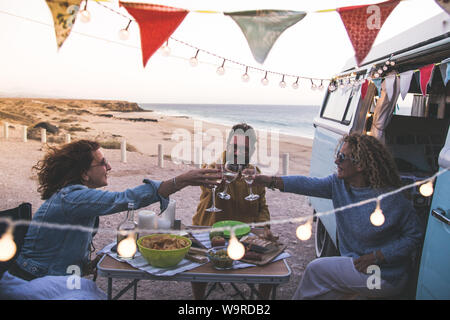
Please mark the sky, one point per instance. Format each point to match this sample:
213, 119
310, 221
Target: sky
94, 63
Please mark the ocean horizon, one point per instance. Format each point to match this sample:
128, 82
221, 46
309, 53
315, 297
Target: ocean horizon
294, 120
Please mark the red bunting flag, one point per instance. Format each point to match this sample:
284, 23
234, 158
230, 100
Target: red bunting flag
364, 88
363, 24
156, 24
425, 76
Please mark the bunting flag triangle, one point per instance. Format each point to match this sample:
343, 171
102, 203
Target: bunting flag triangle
445, 70
377, 83
364, 88
156, 24
389, 82
262, 28
425, 76
444, 4
64, 14
405, 82
363, 24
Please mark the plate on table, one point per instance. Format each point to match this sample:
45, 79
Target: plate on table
240, 231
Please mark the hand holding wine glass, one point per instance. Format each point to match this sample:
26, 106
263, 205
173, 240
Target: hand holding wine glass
229, 173
213, 208
249, 174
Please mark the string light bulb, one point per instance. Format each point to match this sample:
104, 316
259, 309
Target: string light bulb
127, 247
426, 189
377, 217
332, 86
235, 249
264, 80
321, 86
166, 49
304, 231
295, 84
193, 61
282, 83
8, 247
245, 77
85, 15
124, 34
313, 85
221, 70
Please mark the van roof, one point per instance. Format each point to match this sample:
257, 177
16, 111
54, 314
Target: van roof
433, 29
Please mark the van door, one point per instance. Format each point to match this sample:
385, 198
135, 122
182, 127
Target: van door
434, 274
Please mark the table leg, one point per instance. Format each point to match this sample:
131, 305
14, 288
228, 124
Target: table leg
274, 291
135, 290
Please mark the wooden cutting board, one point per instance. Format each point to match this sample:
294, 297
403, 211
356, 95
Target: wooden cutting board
267, 257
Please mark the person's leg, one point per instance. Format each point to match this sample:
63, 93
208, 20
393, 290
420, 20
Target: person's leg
264, 290
198, 289
337, 278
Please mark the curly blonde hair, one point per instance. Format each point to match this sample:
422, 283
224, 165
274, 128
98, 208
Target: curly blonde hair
379, 168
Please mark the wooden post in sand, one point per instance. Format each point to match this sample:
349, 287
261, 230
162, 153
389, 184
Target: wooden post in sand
160, 156
6, 130
123, 151
67, 138
198, 157
285, 164
24, 134
43, 135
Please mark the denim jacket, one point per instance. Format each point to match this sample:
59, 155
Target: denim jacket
50, 251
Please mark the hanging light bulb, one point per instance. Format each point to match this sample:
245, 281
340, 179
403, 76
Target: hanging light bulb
332, 86
313, 85
124, 34
385, 68
377, 217
85, 16
245, 77
392, 63
7, 246
282, 83
304, 231
426, 189
127, 247
221, 70
321, 86
235, 250
193, 61
295, 84
264, 80
166, 49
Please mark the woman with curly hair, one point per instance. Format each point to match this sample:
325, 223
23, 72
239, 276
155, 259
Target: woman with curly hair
365, 170
69, 178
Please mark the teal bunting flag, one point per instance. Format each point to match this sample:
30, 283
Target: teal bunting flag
377, 83
445, 70
262, 28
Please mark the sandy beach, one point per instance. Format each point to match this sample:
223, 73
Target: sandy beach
111, 122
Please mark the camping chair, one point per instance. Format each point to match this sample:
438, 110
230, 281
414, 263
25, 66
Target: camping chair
22, 212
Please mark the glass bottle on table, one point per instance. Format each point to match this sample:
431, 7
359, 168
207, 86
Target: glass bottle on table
127, 230
249, 174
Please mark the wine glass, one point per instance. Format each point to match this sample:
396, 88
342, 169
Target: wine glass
249, 174
213, 208
229, 173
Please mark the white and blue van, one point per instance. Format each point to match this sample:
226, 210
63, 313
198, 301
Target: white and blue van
415, 128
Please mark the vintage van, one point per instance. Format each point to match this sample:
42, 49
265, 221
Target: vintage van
414, 126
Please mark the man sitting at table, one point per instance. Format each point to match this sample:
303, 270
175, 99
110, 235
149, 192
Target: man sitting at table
240, 147
69, 178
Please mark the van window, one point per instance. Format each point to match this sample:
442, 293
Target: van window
336, 104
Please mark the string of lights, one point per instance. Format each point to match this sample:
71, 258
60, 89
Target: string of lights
303, 232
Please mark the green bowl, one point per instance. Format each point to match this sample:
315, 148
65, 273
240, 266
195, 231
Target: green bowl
163, 258
241, 231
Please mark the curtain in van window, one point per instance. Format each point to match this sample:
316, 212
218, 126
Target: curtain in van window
384, 109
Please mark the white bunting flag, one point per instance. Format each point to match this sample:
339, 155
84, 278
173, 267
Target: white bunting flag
405, 82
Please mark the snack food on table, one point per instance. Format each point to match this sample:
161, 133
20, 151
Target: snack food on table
217, 241
164, 242
251, 255
220, 258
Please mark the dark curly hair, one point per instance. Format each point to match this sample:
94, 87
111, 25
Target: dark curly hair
64, 166
373, 157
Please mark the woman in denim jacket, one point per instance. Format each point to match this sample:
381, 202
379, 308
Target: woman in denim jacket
68, 179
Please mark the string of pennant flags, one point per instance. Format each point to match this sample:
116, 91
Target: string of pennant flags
261, 29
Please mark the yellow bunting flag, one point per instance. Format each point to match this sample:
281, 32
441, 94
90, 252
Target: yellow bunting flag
64, 14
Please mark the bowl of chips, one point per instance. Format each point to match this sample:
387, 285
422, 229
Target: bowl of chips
163, 250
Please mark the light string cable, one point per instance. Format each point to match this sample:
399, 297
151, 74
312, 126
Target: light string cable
11, 223
196, 49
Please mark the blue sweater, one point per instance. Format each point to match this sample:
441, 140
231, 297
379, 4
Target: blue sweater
397, 238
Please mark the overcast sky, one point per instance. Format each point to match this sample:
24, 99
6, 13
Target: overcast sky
94, 63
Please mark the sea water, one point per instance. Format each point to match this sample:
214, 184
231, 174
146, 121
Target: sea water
296, 120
